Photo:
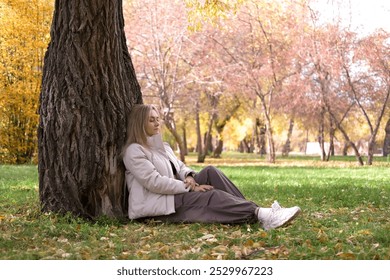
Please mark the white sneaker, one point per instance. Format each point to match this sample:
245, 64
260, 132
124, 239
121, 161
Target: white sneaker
278, 216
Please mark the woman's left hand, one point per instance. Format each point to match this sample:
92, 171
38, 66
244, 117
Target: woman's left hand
190, 182
202, 188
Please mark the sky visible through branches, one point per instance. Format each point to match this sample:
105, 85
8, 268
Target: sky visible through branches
363, 16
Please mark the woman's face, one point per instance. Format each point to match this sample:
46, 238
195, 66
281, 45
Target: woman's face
153, 123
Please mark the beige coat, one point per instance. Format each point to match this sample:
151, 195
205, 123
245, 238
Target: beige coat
150, 179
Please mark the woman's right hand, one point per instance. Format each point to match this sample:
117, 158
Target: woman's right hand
202, 188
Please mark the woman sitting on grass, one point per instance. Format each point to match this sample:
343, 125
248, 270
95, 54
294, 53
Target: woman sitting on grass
164, 188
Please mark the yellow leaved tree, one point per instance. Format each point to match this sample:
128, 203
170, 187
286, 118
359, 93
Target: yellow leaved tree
24, 35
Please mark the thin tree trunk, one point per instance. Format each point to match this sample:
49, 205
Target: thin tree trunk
287, 145
244, 147
374, 132
218, 148
331, 140
199, 145
207, 140
177, 137
373, 128
255, 135
386, 142
347, 139
262, 136
220, 125
321, 134
88, 88
271, 145
306, 140
184, 129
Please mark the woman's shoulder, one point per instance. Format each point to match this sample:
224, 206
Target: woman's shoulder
167, 147
166, 144
134, 148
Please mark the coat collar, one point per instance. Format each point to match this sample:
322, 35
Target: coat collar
155, 142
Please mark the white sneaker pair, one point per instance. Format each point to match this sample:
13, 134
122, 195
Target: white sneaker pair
276, 216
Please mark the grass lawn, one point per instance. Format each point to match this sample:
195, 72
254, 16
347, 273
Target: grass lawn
346, 215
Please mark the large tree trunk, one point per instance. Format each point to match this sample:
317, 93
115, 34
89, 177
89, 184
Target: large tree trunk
88, 88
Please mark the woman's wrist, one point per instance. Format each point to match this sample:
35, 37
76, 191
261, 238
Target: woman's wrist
190, 174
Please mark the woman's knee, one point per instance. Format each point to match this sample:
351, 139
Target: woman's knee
211, 169
206, 174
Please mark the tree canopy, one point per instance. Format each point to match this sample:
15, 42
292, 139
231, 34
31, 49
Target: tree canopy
248, 71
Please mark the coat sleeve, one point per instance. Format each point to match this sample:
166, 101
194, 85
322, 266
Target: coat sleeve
146, 174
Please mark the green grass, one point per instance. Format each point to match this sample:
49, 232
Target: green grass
346, 215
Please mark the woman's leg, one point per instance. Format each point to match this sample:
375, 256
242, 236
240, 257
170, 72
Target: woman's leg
225, 204
216, 178
213, 206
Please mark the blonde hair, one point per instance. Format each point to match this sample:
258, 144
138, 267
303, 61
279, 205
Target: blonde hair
136, 122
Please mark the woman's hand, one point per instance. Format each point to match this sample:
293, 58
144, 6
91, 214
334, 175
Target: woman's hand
190, 182
202, 188
195, 187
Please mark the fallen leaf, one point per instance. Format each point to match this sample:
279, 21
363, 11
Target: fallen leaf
346, 256
258, 245
208, 238
263, 234
164, 249
365, 232
338, 246
62, 240
235, 234
249, 243
220, 248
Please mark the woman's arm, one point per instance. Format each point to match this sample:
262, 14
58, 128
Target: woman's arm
146, 174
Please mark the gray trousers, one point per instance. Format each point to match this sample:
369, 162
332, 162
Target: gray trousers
224, 204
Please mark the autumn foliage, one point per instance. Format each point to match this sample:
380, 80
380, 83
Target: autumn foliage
24, 29
256, 76
271, 68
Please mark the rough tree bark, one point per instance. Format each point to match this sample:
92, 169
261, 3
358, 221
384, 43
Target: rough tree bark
88, 87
